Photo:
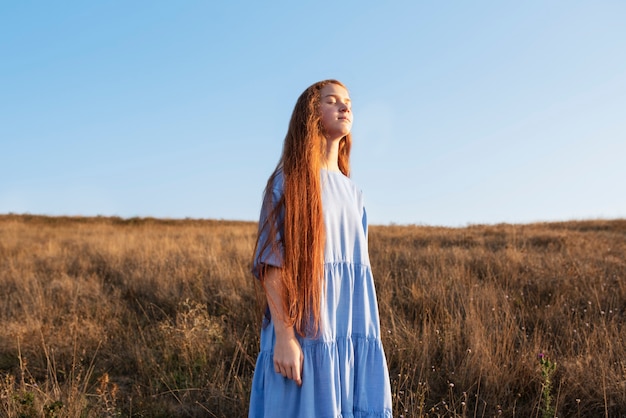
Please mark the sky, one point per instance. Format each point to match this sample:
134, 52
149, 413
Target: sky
478, 112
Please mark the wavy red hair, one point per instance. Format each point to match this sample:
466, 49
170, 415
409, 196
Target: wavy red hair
302, 226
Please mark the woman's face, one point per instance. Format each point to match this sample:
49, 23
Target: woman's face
335, 111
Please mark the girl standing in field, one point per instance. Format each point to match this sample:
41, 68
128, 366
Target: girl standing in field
321, 352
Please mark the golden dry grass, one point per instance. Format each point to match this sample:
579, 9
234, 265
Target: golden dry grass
146, 317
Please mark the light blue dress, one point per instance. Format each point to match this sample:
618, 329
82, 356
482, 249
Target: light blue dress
345, 371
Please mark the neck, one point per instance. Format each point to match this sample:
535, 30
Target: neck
331, 158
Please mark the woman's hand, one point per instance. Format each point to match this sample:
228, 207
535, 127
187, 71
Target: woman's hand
288, 356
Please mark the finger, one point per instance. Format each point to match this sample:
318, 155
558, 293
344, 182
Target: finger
297, 374
289, 373
300, 370
279, 369
297, 377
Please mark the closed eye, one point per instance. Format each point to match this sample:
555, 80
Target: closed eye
332, 99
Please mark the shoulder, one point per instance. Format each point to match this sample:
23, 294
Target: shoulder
348, 187
358, 193
353, 186
275, 188
277, 180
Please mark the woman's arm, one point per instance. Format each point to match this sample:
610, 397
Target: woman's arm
288, 356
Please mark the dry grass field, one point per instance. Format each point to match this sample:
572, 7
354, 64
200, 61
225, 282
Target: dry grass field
104, 317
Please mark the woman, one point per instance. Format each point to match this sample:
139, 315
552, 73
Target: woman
321, 352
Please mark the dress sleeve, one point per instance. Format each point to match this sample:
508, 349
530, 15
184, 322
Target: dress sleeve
361, 202
364, 221
270, 250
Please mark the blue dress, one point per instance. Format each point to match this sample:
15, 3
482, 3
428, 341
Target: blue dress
345, 371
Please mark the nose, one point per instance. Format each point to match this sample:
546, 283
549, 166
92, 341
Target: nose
344, 108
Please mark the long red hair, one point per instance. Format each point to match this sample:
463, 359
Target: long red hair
302, 226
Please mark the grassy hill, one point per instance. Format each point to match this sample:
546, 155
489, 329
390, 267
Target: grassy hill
145, 317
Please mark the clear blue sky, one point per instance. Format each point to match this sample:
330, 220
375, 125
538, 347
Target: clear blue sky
465, 111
